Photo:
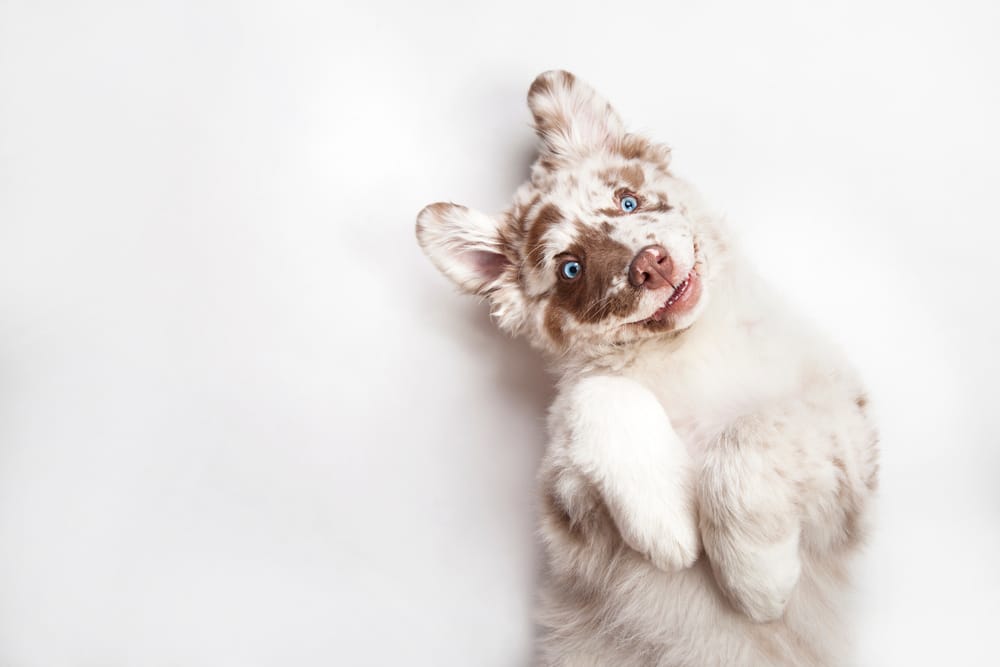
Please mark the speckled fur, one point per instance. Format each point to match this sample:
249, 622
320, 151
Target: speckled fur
709, 476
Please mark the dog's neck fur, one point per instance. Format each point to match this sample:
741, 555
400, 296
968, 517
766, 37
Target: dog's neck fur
740, 354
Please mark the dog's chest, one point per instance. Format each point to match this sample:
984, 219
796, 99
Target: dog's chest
698, 406
705, 389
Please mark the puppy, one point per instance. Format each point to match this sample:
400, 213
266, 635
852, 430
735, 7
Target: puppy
711, 459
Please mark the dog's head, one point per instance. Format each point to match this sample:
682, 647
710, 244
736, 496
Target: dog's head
603, 246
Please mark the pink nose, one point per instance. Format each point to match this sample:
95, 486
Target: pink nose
651, 268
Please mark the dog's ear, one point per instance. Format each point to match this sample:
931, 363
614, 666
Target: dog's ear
571, 118
465, 245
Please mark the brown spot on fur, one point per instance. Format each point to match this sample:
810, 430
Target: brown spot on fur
509, 235
554, 324
634, 147
861, 401
548, 121
587, 298
632, 176
522, 211
540, 86
548, 217
659, 206
628, 178
441, 209
610, 212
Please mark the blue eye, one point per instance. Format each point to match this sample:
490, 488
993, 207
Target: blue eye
629, 203
570, 270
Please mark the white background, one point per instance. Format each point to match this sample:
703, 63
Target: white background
244, 422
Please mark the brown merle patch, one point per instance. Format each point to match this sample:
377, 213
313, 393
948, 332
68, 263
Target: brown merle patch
548, 163
659, 206
554, 319
542, 85
548, 217
634, 147
549, 120
588, 298
629, 177
522, 211
509, 240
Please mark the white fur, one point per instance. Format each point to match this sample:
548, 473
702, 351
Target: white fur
613, 432
736, 429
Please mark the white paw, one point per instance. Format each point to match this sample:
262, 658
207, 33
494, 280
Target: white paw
676, 552
621, 440
670, 543
759, 580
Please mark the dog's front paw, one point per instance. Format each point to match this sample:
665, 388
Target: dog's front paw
757, 579
670, 541
675, 552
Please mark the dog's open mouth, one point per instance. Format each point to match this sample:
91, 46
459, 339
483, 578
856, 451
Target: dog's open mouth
682, 298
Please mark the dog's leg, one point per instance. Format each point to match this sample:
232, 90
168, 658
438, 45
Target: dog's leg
614, 432
749, 519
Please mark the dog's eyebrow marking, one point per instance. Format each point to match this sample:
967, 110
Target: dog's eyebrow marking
630, 176
660, 206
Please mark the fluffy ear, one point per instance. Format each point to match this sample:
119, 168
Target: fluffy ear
464, 245
570, 117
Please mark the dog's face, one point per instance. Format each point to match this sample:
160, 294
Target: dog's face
603, 246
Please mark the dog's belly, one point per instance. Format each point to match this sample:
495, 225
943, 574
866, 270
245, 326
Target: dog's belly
642, 616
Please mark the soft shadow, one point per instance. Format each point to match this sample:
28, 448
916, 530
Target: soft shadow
512, 145
519, 371
521, 380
